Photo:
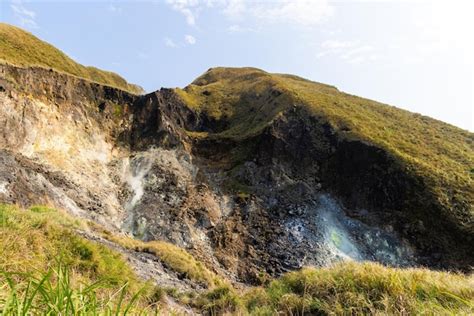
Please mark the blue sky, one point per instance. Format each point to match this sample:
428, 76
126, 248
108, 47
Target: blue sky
417, 55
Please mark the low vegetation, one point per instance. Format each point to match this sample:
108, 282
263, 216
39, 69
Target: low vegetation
47, 268
54, 293
173, 257
350, 289
367, 288
21, 48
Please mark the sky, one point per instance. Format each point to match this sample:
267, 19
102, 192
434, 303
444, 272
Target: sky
417, 55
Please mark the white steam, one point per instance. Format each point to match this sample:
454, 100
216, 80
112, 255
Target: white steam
135, 171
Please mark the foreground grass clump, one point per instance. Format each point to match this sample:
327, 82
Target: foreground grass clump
45, 267
21, 48
221, 300
365, 288
32, 240
54, 293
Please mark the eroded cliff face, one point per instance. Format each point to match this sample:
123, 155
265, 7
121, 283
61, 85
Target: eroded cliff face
58, 136
296, 194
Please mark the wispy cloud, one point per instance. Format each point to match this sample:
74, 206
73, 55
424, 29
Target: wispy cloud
234, 9
353, 52
189, 39
188, 8
295, 12
115, 9
143, 55
170, 43
236, 28
292, 12
26, 17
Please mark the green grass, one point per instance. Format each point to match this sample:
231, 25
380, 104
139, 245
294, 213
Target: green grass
370, 288
53, 293
21, 48
349, 288
46, 267
249, 99
221, 300
173, 257
33, 239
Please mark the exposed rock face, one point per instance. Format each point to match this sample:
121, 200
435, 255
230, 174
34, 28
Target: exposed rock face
295, 194
63, 129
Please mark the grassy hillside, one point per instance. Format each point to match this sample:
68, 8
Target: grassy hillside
21, 48
42, 249
349, 289
249, 99
46, 267
173, 257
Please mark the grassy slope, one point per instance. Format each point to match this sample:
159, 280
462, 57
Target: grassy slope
350, 289
250, 98
40, 241
173, 257
370, 288
21, 48
41, 244
33, 241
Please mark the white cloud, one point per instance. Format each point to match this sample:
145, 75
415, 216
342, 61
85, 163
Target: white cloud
336, 44
334, 47
296, 12
189, 39
143, 55
351, 51
236, 28
26, 16
170, 43
189, 8
234, 8
292, 12
115, 9
357, 52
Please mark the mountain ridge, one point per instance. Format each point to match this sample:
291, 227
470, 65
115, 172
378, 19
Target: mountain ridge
237, 180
